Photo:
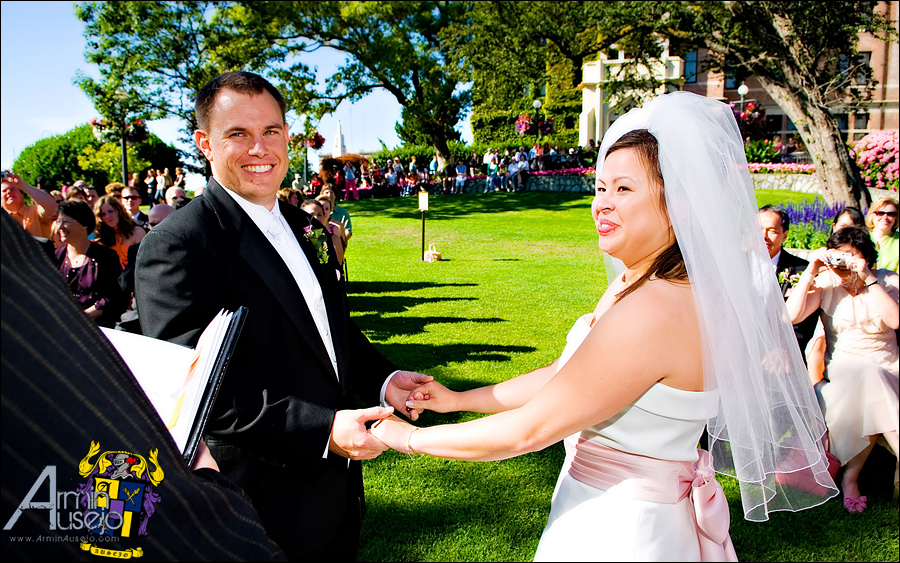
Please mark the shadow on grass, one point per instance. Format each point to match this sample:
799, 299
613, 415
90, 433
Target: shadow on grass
422, 357
394, 303
378, 327
362, 287
444, 207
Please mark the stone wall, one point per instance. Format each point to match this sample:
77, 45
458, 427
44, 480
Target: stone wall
583, 184
804, 183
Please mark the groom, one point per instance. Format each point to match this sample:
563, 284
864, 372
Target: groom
284, 426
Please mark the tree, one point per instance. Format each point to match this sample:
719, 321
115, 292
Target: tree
794, 49
391, 45
78, 155
160, 54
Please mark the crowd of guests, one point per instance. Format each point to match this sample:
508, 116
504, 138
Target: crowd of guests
844, 303
503, 171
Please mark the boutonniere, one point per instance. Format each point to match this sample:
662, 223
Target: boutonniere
785, 276
319, 240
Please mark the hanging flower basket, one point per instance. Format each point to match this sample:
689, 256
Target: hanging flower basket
106, 132
315, 142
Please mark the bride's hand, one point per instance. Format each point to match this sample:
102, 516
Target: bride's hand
434, 397
392, 432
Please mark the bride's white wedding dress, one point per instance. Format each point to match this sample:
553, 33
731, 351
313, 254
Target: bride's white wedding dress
590, 524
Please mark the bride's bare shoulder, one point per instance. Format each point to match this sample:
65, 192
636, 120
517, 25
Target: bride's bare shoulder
658, 306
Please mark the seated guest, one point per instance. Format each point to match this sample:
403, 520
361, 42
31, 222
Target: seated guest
76, 192
859, 311
775, 224
130, 321
131, 200
316, 208
460, 178
521, 173
289, 195
90, 270
115, 227
882, 223
815, 350
173, 195
36, 218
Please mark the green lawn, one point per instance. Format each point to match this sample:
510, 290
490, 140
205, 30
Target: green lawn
518, 270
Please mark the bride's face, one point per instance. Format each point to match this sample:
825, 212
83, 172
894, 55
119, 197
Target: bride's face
627, 213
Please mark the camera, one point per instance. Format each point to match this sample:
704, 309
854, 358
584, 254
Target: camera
839, 259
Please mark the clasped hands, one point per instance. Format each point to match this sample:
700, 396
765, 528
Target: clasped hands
407, 393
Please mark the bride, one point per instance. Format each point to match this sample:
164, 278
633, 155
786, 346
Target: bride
693, 334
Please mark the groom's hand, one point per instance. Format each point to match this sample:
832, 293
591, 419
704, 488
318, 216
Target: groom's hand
350, 437
399, 388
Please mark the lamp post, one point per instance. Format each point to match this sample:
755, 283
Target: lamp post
742, 91
122, 96
537, 114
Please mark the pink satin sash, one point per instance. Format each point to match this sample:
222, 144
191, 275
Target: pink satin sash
664, 482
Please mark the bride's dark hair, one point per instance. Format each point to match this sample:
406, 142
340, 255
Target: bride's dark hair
669, 265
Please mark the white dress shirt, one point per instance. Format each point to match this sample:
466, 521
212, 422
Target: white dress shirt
279, 234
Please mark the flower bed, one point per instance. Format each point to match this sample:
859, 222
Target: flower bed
878, 160
781, 168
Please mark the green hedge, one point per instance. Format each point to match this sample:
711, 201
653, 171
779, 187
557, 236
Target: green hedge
492, 126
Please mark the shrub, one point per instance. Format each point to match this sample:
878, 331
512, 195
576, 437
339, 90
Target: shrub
877, 157
810, 223
763, 151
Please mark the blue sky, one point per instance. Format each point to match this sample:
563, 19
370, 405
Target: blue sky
43, 46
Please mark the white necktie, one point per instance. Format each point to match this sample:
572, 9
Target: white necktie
295, 259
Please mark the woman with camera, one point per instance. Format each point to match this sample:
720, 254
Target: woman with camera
859, 311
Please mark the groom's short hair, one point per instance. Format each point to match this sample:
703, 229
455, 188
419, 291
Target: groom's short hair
240, 81
785, 218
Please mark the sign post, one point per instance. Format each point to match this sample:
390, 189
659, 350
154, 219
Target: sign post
423, 207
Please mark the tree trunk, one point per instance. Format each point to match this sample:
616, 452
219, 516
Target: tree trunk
822, 137
441, 149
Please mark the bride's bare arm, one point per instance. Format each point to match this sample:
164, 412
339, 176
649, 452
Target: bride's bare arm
650, 336
491, 399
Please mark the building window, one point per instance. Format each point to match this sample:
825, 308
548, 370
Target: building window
861, 121
858, 64
690, 67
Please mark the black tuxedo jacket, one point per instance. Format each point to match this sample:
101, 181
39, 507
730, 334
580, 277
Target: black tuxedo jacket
142, 219
272, 420
805, 328
63, 387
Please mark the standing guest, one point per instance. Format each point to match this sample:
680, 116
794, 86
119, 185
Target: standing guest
391, 178
296, 183
131, 200
91, 271
174, 195
36, 218
775, 223
150, 183
338, 213
135, 180
434, 166
398, 168
413, 165
316, 208
493, 182
179, 180
115, 227
163, 183
882, 223
284, 426
511, 170
57, 196
350, 181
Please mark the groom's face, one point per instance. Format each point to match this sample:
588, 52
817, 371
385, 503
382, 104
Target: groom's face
246, 144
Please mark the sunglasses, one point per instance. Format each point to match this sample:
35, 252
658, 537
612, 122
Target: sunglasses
885, 213
131, 197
